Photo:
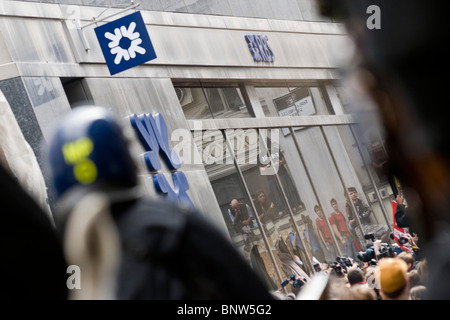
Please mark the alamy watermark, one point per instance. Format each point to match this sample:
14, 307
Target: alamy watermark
374, 20
74, 280
249, 146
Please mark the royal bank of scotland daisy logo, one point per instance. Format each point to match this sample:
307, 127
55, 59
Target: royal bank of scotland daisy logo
125, 43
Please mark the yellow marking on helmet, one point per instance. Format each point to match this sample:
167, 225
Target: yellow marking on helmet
77, 150
85, 171
76, 153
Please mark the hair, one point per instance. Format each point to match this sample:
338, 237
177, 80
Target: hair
422, 269
333, 200
360, 292
414, 278
396, 294
316, 207
355, 276
306, 219
408, 258
417, 292
350, 189
258, 192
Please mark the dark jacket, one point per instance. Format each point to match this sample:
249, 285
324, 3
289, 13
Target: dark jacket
33, 264
244, 214
170, 253
400, 216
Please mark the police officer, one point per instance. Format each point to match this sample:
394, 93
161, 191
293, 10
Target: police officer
164, 251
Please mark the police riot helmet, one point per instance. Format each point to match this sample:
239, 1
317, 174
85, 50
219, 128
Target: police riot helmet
88, 148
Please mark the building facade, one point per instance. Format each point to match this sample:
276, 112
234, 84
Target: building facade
251, 93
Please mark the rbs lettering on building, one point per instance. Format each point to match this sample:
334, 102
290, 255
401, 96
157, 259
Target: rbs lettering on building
152, 133
259, 48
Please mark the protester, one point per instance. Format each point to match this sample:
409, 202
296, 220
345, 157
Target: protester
364, 213
361, 292
324, 233
392, 278
340, 228
408, 258
242, 218
414, 278
422, 269
400, 212
355, 277
417, 293
311, 238
265, 207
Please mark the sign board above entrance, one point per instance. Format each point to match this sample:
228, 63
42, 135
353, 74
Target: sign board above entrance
125, 43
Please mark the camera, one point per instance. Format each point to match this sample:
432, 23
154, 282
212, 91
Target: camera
344, 261
386, 251
296, 283
337, 268
341, 265
367, 256
317, 267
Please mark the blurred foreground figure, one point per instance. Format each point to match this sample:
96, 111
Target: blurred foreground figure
126, 245
402, 53
33, 266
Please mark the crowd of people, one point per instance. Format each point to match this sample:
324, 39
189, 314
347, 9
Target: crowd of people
381, 272
391, 278
368, 262
347, 244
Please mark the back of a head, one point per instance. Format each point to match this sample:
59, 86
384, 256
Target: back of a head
88, 148
355, 276
360, 292
407, 257
418, 293
392, 277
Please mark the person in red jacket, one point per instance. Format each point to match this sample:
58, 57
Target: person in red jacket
324, 233
340, 228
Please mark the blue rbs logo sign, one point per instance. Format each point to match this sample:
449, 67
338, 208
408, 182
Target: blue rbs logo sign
259, 48
152, 133
125, 43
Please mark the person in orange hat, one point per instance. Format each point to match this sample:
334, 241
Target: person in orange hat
393, 279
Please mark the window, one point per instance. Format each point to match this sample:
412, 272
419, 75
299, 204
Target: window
291, 101
307, 167
75, 91
200, 102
